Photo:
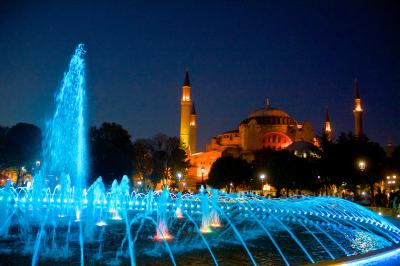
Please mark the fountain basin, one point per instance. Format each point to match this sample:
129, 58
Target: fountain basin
251, 229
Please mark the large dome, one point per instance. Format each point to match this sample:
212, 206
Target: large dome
268, 111
270, 116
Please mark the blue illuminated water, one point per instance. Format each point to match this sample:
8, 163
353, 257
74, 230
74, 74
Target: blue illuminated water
124, 227
61, 221
65, 143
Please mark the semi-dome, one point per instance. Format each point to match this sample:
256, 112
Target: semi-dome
302, 146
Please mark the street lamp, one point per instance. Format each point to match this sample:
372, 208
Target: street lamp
202, 175
362, 165
179, 177
262, 177
391, 180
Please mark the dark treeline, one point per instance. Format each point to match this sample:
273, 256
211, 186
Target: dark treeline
20, 145
334, 164
112, 153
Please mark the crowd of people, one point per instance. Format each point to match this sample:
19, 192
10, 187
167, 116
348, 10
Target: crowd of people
388, 200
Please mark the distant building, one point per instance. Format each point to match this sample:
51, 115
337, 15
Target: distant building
15, 175
267, 127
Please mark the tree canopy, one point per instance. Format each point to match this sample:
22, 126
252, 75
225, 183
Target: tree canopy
168, 158
284, 170
20, 145
111, 152
229, 170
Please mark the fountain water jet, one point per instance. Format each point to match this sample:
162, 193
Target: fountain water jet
65, 143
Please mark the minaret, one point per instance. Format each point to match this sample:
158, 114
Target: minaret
185, 112
328, 129
358, 131
192, 132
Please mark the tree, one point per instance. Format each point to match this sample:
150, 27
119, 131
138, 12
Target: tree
22, 145
3, 133
325, 166
111, 152
284, 170
168, 158
229, 170
348, 152
142, 161
392, 163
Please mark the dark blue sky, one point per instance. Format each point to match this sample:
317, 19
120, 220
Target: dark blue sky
303, 55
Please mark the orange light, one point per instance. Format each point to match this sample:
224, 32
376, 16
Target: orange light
186, 98
163, 234
205, 230
328, 127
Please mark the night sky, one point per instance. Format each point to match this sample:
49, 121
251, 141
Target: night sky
303, 55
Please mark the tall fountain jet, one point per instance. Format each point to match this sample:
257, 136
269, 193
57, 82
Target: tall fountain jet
65, 143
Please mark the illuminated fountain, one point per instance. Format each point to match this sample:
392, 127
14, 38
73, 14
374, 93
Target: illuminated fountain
59, 220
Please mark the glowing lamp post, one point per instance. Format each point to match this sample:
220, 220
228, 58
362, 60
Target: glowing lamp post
262, 177
362, 165
179, 175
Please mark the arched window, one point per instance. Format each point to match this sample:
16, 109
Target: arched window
275, 140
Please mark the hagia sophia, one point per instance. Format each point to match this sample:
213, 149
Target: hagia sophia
267, 127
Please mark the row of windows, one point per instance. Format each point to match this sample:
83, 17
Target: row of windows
230, 137
274, 139
282, 120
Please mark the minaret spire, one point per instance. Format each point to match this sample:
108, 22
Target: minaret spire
358, 110
186, 81
357, 89
193, 129
193, 110
327, 118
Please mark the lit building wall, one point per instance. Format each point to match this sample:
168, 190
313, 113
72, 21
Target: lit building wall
202, 160
264, 128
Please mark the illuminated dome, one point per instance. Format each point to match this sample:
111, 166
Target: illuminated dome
270, 116
268, 111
